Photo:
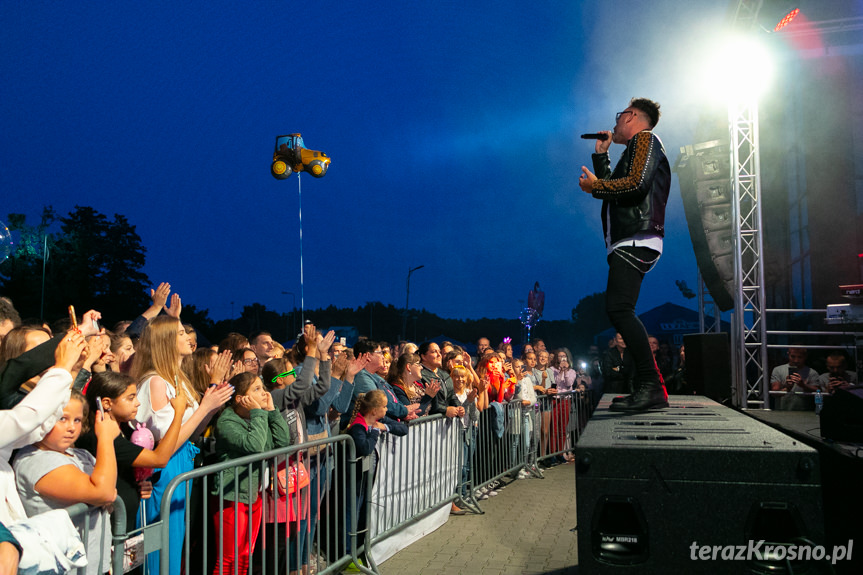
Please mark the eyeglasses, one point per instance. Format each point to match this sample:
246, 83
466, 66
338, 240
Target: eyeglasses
619, 114
285, 374
251, 361
378, 352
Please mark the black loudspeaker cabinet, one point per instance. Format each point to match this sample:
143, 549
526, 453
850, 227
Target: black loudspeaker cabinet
708, 365
654, 488
842, 416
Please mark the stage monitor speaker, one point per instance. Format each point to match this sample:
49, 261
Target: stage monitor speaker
842, 415
708, 365
657, 490
704, 173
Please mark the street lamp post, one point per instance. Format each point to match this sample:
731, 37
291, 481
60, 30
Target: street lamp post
407, 302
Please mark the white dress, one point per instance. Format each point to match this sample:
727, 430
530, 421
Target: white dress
159, 421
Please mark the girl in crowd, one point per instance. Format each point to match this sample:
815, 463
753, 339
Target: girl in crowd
523, 417
21, 339
246, 360
193, 336
500, 389
405, 375
156, 367
250, 424
543, 376
506, 348
18, 341
460, 357
296, 397
564, 379
54, 475
564, 375
500, 386
470, 402
123, 350
368, 420
119, 396
32, 417
206, 368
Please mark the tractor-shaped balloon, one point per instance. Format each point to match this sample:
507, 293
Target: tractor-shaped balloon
291, 155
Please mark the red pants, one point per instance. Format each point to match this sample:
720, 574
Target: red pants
224, 522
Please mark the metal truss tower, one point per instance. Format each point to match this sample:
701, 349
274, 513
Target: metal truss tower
748, 329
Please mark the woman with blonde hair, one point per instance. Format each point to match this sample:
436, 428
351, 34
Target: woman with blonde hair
469, 400
157, 368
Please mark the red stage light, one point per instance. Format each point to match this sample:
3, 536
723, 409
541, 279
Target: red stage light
787, 19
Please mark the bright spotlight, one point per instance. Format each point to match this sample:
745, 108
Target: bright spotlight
740, 69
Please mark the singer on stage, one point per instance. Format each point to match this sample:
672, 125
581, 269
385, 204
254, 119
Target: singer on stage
633, 221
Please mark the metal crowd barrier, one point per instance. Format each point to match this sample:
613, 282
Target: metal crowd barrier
414, 476
512, 437
351, 503
289, 529
117, 521
416, 473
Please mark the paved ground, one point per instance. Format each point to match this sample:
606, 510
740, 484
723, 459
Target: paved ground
525, 530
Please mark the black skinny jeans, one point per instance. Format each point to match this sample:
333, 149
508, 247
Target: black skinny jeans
625, 273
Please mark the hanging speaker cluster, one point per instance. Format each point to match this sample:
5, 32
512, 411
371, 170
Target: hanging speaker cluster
704, 171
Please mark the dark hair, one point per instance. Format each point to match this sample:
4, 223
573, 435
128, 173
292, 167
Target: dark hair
649, 107
8, 311
15, 341
233, 341
258, 334
272, 369
242, 382
238, 354
117, 340
424, 347
365, 346
107, 385
297, 354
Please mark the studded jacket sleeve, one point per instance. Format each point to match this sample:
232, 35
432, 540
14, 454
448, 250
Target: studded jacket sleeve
633, 176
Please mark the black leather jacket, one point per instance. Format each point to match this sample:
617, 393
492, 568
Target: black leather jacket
635, 193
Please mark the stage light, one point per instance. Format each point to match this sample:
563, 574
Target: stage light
740, 69
776, 14
786, 20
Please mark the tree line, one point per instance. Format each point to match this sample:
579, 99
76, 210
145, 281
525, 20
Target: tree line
97, 262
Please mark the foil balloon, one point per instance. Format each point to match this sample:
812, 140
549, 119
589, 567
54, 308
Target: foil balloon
143, 437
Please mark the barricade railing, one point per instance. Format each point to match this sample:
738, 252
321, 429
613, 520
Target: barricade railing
563, 416
414, 476
294, 483
341, 505
117, 521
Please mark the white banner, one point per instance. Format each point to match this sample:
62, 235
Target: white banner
415, 473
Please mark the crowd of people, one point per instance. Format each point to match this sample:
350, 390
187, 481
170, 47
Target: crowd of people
74, 396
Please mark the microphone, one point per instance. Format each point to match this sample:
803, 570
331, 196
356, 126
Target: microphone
602, 137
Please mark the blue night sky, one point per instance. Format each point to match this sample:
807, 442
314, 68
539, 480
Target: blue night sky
453, 129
